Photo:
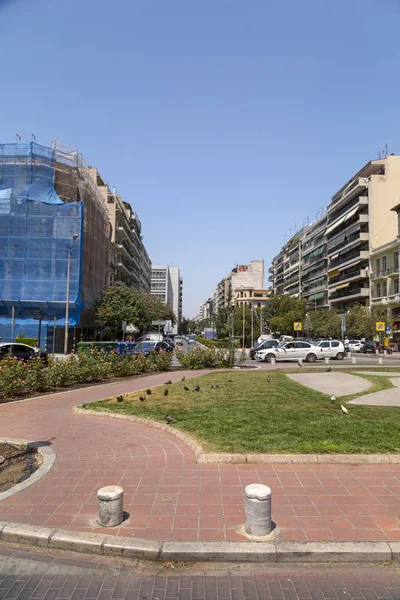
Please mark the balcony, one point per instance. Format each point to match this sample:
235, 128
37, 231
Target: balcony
346, 213
348, 258
353, 275
385, 273
353, 188
364, 218
392, 299
349, 293
351, 240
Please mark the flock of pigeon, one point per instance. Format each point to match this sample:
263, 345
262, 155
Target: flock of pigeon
170, 420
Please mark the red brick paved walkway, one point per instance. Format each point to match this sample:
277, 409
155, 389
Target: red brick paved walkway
168, 496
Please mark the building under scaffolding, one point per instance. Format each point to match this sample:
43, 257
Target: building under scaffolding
48, 198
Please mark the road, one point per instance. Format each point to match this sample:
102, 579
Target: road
43, 575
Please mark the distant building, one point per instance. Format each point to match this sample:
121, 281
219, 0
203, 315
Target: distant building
167, 285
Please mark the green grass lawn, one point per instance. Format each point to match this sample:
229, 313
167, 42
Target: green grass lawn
248, 414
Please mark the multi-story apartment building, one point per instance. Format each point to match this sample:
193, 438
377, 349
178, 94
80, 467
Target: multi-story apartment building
286, 268
351, 249
360, 221
130, 263
52, 216
314, 277
167, 285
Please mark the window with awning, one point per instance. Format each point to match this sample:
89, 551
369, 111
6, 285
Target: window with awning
316, 296
343, 285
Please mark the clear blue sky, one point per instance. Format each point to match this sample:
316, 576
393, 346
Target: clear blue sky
223, 122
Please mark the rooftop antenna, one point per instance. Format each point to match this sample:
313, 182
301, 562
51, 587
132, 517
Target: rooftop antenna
33, 137
18, 138
386, 149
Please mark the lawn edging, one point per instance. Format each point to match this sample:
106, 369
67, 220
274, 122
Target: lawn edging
271, 552
204, 458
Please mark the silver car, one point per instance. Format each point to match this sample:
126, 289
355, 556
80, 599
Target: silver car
295, 350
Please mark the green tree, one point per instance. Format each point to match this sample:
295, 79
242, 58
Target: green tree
283, 311
359, 322
325, 323
120, 302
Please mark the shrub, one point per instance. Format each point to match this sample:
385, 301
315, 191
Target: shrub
211, 358
160, 361
25, 340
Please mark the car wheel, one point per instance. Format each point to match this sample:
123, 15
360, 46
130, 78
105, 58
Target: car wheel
311, 357
339, 356
269, 357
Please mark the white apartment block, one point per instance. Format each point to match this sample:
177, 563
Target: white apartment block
167, 285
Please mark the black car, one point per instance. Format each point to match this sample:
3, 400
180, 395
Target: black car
145, 348
22, 352
263, 346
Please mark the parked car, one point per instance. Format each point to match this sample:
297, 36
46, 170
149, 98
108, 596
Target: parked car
370, 346
332, 349
22, 352
151, 337
291, 351
146, 347
179, 340
263, 346
354, 346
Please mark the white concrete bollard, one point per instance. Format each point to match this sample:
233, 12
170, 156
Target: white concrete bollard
385, 353
273, 360
348, 354
258, 509
354, 360
110, 502
300, 362
380, 361
327, 360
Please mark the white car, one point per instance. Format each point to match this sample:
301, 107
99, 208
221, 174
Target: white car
178, 340
332, 349
355, 345
295, 350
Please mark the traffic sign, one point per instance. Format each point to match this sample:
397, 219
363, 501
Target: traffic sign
380, 325
388, 329
298, 326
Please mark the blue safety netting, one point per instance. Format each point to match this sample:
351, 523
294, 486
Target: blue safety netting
36, 233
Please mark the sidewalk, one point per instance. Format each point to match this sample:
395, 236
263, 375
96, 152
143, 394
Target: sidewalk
170, 497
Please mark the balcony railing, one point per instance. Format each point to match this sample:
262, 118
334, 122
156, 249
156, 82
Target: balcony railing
385, 273
359, 273
362, 254
350, 291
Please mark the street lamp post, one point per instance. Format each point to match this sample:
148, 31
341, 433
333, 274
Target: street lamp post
242, 287
74, 237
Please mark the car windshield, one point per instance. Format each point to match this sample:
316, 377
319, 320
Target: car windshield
145, 345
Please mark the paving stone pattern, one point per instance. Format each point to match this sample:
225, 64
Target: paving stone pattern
36, 576
170, 497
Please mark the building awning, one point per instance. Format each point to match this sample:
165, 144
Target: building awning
335, 256
336, 224
344, 285
333, 273
351, 214
316, 296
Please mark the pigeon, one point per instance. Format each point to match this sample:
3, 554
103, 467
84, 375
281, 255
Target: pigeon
197, 388
214, 387
183, 378
269, 379
120, 398
329, 369
344, 410
168, 382
333, 398
142, 399
165, 392
148, 392
300, 363
169, 419
185, 387
84, 405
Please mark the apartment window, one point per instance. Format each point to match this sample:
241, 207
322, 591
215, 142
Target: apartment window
396, 286
378, 266
384, 264
384, 289
378, 290
396, 261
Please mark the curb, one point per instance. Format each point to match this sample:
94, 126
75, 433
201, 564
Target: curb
203, 458
280, 552
48, 459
